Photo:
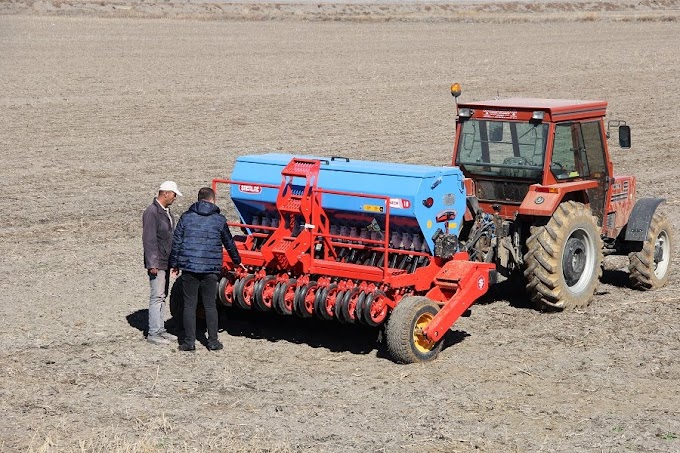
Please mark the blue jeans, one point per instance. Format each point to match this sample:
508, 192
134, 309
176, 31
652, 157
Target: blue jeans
194, 284
159, 290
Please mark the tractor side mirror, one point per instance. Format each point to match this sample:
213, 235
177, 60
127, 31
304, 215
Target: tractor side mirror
495, 132
624, 136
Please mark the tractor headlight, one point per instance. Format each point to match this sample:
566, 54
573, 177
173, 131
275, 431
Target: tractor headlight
465, 112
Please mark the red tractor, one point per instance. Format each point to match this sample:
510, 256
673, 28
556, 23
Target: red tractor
543, 198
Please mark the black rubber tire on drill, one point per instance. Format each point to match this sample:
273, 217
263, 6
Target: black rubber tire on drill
300, 296
563, 264
650, 267
403, 342
177, 300
260, 286
222, 285
337, 308
320, 302
239, 297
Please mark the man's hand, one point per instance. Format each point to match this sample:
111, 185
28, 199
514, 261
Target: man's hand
174, 272
153, 271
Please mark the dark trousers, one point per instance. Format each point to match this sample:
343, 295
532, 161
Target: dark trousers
206, 285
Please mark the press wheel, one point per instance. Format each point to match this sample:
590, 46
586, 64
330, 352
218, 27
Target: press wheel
225, 290
284, 297
359, 307
304, 299
349, 303
320, 302
264, 293
375, 308
337, 306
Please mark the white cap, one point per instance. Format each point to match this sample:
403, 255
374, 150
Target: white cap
170, 186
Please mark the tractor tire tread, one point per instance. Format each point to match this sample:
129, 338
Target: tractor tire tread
641, 268
543, 260
399, 330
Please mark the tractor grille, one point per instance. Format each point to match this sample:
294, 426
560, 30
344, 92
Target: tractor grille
502, 191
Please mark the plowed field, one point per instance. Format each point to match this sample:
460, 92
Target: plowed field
96, 111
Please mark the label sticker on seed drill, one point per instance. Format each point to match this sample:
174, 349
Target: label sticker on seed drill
249, 188
373, 208
399, 203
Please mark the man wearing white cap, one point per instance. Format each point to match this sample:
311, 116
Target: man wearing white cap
157, 230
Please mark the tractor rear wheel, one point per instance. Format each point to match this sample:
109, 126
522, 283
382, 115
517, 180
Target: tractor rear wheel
404, 331
564, 259
650, 267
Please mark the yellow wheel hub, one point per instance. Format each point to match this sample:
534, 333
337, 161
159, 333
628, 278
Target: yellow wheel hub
421, 342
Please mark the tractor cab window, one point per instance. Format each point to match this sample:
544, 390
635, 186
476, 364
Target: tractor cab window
570, 156
593, 141
502, 148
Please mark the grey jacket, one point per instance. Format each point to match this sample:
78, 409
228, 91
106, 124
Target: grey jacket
156, 236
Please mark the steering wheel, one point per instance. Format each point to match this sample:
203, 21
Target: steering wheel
516, 160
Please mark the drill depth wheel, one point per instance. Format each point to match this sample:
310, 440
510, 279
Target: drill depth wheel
404, 335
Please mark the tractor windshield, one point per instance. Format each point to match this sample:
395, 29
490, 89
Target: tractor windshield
502, 148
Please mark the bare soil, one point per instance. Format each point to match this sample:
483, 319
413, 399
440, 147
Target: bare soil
95, 112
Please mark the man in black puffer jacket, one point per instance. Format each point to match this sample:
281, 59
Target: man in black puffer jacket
197, 252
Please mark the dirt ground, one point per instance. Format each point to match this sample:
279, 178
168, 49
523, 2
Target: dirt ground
95, 112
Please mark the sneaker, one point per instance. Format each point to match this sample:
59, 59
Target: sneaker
186, 347
216, 346
157, 339
168, 336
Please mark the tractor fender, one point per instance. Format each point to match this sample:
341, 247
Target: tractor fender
542, 201
640, 219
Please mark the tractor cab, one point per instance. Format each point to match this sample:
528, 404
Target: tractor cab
514, 151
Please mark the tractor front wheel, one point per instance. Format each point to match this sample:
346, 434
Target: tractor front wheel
564, 259
650, 267
406, 342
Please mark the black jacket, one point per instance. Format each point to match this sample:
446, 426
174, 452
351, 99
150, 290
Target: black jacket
156, 236
197, 243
